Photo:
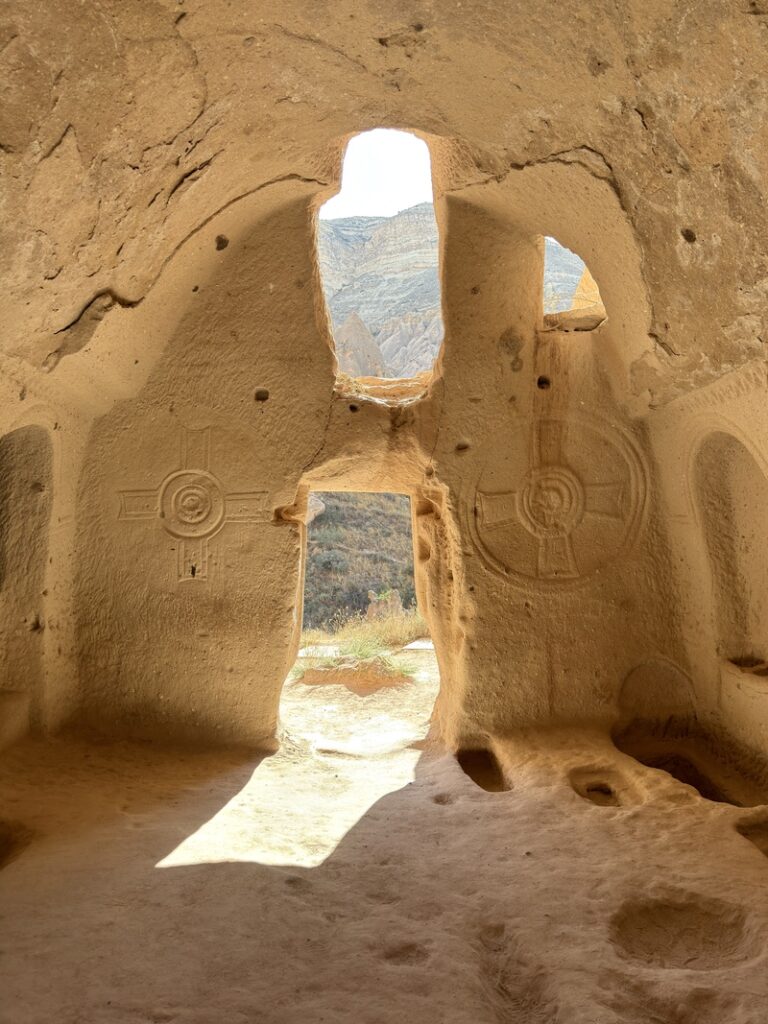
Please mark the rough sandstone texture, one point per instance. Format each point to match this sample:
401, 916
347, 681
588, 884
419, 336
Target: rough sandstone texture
383, 274
166, 348
588, 503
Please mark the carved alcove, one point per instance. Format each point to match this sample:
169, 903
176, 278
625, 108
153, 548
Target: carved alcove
732, 494
25, 509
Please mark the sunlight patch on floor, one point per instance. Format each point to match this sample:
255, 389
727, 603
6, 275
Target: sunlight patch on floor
294, 810
340, 754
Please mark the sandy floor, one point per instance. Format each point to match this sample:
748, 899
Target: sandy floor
352, 879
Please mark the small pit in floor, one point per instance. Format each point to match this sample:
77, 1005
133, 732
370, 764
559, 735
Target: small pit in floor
757, 834
602, 786
481, 766
696, 761
659, 727
13, 839
687, 772
687, 931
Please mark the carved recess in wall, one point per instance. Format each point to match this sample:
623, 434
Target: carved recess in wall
192, 506
559, 499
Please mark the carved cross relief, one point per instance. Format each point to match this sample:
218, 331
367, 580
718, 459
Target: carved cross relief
192, 505
575, 502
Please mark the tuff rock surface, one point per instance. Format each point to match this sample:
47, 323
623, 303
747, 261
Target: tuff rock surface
587, 510
381, 283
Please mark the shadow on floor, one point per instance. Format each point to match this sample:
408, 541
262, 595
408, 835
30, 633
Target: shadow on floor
443, 903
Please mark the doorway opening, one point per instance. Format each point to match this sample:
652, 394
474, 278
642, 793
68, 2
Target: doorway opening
377, 248
366, 677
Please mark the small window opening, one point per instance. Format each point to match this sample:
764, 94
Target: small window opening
378, 258
572, 299
366, 676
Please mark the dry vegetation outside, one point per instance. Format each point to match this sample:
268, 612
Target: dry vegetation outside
365, 646
379, 669
358, 543
363, 638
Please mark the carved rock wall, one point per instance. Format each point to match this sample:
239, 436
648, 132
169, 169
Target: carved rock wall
164, 323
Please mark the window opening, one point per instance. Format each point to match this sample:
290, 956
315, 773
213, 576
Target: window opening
378, 258
571, 297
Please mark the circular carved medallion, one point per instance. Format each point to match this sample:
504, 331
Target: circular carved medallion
191, 504
559, 499
550, 501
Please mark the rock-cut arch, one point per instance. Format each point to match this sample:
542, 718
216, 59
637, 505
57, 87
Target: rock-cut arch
732, 497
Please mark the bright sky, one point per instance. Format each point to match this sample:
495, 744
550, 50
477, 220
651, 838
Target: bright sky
384, 171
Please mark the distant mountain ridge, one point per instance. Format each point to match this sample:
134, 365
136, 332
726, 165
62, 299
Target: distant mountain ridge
382, 288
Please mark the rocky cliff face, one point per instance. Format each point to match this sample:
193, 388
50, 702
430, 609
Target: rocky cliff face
356, 350
409, 343
562, 273
382, 288
385, 271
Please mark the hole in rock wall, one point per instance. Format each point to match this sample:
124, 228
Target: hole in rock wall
731, 492
571, 297
366, 676
377, 246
